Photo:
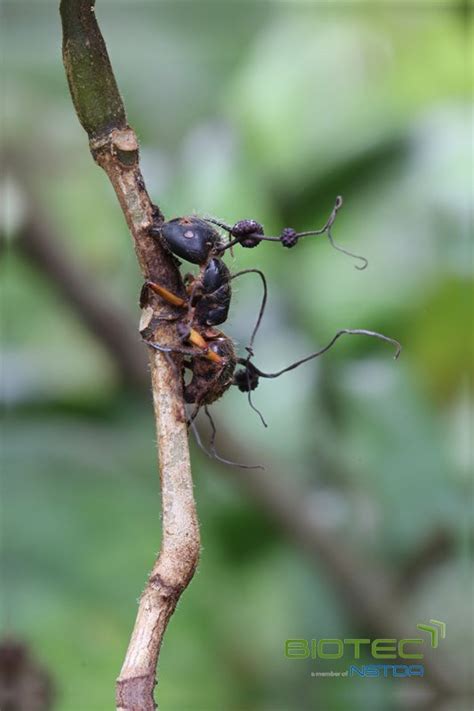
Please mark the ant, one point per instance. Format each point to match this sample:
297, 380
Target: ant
208, 352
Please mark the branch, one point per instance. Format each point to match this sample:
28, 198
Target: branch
438, 546
114, 147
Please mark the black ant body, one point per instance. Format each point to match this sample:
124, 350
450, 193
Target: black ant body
208, 352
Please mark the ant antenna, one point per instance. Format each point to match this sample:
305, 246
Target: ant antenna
212, 453
349, 331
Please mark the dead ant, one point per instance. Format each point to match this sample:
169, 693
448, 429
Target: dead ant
208, 352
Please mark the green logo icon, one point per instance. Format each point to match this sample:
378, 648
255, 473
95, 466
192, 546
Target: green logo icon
377, 648
436, 629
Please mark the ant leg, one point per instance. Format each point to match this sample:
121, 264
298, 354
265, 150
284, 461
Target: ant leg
262, 305
193, 415
165, 294
196, 339
349, 331
247, 380
170, 349
185, 332
213, 453
249, 348
250, 401
173, 349
199, 441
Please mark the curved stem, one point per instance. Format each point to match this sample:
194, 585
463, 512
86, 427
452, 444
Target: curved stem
114, 147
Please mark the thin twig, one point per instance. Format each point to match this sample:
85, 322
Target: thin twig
114, 147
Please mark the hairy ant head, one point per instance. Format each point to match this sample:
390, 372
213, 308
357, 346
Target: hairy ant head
190, 238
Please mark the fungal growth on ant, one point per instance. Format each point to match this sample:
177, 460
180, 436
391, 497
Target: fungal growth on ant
249, 233
207, 352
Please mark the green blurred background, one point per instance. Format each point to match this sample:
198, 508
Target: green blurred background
263, 110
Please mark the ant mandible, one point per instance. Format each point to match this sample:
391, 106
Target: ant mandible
208, 352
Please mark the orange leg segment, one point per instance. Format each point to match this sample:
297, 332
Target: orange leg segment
168, 296
194, 336
197, 340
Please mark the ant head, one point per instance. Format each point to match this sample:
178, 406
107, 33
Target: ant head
190, 238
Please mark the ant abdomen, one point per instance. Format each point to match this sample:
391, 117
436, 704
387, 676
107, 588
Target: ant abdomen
208, 382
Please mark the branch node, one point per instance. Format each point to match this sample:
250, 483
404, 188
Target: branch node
121, 143
165, 590
130, 694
